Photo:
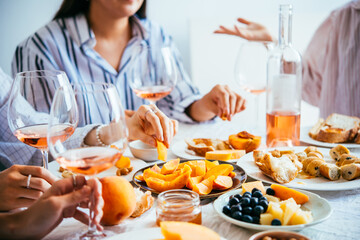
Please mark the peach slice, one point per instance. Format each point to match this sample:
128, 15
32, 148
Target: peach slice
170, 166
162, 151
222, 183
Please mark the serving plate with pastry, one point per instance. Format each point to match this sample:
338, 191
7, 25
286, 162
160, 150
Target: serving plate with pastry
309, 168
216, 149
336, 128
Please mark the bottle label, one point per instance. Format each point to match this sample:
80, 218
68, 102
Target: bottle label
285, 92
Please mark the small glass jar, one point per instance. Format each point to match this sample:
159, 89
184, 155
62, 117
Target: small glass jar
178, 205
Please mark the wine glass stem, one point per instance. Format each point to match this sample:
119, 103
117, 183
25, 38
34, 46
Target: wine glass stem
256, 109
45, 160
152, 102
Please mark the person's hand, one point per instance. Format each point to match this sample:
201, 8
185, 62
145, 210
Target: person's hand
149, 124
252, 31
61, 201
220, 101
13, 186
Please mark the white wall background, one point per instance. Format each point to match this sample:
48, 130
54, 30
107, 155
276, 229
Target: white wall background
209, 58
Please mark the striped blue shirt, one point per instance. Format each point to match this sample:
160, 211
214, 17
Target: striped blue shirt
67, 44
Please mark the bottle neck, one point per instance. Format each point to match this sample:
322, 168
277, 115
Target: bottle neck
285, 25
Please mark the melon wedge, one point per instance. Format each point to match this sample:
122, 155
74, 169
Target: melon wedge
162, 151
187, 231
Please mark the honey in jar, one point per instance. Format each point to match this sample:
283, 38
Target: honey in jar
178, 205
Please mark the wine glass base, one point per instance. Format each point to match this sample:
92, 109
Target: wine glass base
93, 235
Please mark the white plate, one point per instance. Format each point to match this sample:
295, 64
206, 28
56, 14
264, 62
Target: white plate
141, 234
320, 208
304, 137
135, 163
179, 148
317, 184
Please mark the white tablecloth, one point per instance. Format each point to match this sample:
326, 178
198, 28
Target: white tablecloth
344, 223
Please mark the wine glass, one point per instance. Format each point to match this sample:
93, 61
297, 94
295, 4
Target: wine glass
29, 108
250, 69
153, 73
100, 138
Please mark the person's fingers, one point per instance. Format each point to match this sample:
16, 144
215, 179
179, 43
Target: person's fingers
147, 114
29, 193
240, 102
232, 101
98, 200
243, 20
37, 171
129, 113
223, 97
243, 107
176, 126
165, 124
37, 183
75, 197
66, 185
23, 202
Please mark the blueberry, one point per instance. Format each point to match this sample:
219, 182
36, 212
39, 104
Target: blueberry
256, 219
264, 204
238, 196
247, 210
270, 191
247, 218
233, 201
257, 210
226, 210
257, 194
262, 198
245, 201
254, 190
247, 194
237, 215
253, 202
276, 222
236, 208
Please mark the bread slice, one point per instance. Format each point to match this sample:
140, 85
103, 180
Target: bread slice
350, 171
338, 128
314, 131
357, 137
144, 202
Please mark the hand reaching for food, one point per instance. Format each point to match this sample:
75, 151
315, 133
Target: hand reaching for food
149, 124
221, 101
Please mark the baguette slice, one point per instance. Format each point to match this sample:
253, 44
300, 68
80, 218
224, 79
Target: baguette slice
350, 171
357, 137
330, 171
338, 128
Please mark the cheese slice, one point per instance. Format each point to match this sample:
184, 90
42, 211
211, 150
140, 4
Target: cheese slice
224, 155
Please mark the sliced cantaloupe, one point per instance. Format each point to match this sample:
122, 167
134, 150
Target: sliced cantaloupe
232, 174
210, 164
161, 185
170, 166
186, 231
285, 193
140, 178
222, 183
222, 169
162, 151
205, 186
249, 186
224, 155
156, 168
193, 181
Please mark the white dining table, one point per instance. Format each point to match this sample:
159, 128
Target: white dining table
344, 223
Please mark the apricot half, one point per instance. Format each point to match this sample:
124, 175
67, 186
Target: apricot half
245, 141
119, 200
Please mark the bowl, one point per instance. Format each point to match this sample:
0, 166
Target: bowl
320, 208
143, 151
278, 234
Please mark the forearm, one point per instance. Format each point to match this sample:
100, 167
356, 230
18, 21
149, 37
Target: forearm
201, 110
